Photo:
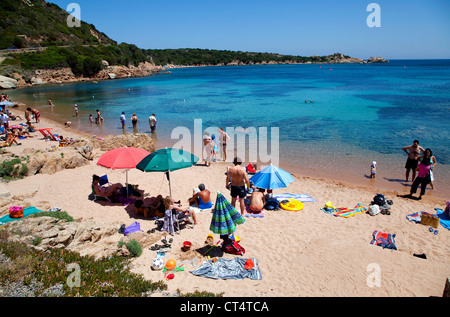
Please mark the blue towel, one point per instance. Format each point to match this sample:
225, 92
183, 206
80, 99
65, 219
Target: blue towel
26, 212
445, 220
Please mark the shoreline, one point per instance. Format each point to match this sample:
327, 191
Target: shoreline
295, 169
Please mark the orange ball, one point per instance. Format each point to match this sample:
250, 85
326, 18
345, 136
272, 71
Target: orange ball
171, 264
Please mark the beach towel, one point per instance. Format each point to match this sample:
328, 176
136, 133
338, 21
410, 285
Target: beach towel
445, 220
415, 217
134, 227
384, 240
300, 197
26, 212
225, 217
228, 269
346, 212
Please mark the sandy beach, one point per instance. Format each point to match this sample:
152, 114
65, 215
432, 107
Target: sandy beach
308, 253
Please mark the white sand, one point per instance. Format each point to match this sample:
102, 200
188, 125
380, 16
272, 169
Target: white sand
305, 253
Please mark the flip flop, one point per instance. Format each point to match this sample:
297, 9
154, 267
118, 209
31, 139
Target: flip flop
156, 247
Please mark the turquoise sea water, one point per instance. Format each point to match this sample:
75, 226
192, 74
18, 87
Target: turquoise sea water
360, 113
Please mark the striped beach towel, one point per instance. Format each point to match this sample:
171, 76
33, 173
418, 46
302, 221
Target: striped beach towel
300, 197
225, 217
346, 212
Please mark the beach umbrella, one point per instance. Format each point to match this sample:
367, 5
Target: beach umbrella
225, 217
124, 158
167, 160
6, 104
272, 177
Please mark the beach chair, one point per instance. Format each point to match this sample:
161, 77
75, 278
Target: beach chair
166, 222
47, 134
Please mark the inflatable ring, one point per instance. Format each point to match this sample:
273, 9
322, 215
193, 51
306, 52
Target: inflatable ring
292, 205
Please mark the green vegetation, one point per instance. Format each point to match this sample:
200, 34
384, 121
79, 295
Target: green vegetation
13, 169
133, 246
39, 23
54, 214
197, 56
106, 277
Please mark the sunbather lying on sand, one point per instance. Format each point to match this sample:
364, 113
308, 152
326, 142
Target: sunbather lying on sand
105, 191
10, 140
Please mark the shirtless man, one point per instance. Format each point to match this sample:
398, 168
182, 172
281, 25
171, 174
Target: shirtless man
36, 114
238, 177
257, 200
413, 152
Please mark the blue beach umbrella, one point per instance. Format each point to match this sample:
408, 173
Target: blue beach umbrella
272, 177
6, 104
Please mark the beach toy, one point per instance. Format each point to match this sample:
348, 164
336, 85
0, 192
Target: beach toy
171, 264
170, 276
210, 239
329, 205
249, 264
237, 239
157, 264
187, 245
291, 204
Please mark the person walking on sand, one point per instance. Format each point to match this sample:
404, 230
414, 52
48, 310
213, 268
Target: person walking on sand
76, 110
224, 137
152, 121
237, 175
412, 161
428, 156
423, 176
123, 120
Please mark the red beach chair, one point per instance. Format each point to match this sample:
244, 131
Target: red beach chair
47, 134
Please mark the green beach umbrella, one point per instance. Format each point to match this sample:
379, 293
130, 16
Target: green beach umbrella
224, 217
167, 160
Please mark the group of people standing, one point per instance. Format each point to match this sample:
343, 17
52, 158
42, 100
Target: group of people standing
135, 120
422, 161
212, 146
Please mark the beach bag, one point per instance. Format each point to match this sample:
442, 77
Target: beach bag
272, 204
429, 220
374, 209
379, 200
16, 212
233, 248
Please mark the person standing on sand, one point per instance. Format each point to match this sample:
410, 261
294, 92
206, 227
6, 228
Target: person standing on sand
423, 177
76, 110
36, 114
152, 121
412, 161
224, 137
237, 175
122, 120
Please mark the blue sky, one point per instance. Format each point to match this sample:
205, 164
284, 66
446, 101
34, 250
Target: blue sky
409, 29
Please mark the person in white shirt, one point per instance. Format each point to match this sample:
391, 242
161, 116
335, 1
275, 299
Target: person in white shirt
122, 120
4, 120
152, 121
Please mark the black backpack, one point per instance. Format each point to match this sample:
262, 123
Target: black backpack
379, 200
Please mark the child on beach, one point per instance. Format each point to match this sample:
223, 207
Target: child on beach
373, 169
91, 119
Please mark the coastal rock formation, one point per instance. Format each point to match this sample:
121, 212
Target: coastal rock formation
85, 237
7, 83
58, 159
339, 58
377, 60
